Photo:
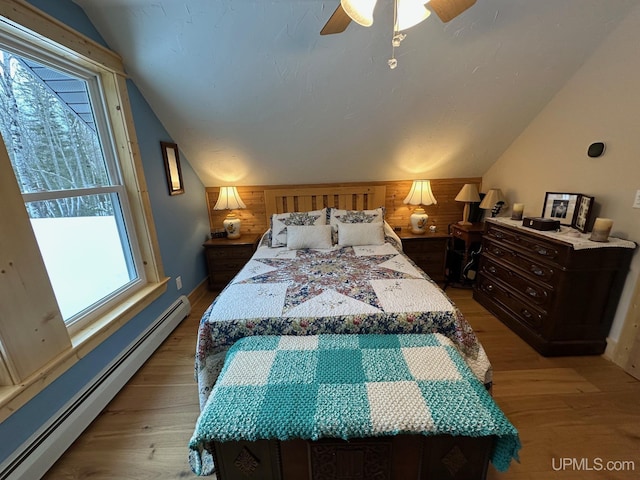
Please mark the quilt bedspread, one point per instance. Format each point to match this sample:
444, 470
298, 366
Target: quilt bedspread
349, 386
349, 290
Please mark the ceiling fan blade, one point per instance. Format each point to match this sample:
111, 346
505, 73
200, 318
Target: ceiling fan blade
338, 22
449, 9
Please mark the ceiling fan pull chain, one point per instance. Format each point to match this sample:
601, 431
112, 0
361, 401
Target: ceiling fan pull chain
396, 39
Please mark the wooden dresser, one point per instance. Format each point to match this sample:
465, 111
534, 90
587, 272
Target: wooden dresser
226, 257
559, 299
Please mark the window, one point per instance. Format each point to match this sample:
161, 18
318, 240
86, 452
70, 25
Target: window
59, 141
77, 199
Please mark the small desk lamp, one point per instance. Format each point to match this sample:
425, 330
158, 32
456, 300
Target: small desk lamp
230, 200
494, 201
468, 194
420, 194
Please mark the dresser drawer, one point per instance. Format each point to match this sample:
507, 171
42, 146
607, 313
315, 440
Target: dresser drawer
230, 264
530, 244
527, 314
529, 265
219, 280
427, 258
427, 252
226, 257
535, 293
239, 251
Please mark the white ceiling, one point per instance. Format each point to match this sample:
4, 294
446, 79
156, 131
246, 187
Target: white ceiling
253, 95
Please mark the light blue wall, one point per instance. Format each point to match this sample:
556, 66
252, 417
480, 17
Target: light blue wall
182, 225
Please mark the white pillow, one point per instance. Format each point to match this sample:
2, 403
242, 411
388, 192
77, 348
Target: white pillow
338, 217
308, 236
352, 234
281, 221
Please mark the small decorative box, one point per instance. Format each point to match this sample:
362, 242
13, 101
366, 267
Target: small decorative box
539, 223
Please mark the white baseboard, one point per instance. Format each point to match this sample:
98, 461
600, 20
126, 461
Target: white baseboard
33, 458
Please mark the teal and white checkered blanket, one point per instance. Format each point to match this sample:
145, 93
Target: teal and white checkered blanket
349, 386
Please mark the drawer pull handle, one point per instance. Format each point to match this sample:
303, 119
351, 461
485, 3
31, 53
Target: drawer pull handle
531, 292
544, 251
526, 313
488, 288
497, 252
537, 270
491, 269
498, 234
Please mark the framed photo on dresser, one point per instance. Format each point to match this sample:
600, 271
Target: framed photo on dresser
571, 209
560, 206
583, 213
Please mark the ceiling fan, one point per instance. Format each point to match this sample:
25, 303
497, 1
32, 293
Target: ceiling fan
445, 9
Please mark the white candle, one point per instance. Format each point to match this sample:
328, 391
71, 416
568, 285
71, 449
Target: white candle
518, 209
601, 229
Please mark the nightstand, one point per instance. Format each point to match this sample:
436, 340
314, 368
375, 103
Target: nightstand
464, 241
428, 251
226, 257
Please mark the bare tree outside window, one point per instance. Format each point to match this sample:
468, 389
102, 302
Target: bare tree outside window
57, 138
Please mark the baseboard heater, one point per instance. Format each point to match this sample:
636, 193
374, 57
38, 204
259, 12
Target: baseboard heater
32, 459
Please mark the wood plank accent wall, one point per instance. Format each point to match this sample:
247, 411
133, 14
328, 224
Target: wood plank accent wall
446, 211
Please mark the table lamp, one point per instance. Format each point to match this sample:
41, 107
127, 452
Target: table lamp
493, 200
468, 194
229, 199
420, 194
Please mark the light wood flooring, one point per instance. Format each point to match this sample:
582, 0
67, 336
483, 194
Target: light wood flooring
584, 410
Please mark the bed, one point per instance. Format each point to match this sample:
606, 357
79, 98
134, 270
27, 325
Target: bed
329, 264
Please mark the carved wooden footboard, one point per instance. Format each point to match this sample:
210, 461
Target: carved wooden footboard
401, 457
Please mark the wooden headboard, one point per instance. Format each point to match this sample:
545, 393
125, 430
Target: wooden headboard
264, 200
361, 197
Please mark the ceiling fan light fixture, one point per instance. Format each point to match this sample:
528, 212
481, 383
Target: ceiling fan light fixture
360, 11
410, 13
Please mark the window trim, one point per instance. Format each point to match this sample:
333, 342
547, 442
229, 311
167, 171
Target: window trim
26, 22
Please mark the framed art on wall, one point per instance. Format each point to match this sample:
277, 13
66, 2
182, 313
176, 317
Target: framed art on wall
560, 206
172, 167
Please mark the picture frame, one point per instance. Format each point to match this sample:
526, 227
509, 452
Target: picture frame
582, 216
560, 206
172, 167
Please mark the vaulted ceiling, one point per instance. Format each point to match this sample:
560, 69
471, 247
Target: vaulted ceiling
252, 94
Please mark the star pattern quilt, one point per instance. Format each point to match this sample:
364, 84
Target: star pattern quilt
343, 290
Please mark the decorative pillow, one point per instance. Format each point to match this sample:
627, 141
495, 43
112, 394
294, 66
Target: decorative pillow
354, 216
280, 222
308, 236
352, 234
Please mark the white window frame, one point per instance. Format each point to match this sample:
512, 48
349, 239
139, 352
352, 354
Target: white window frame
25, 367
103, 125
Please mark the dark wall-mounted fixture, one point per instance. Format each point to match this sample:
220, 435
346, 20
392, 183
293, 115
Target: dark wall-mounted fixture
596, 149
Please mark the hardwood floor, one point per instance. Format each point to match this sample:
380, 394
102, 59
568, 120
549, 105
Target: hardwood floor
577, 416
